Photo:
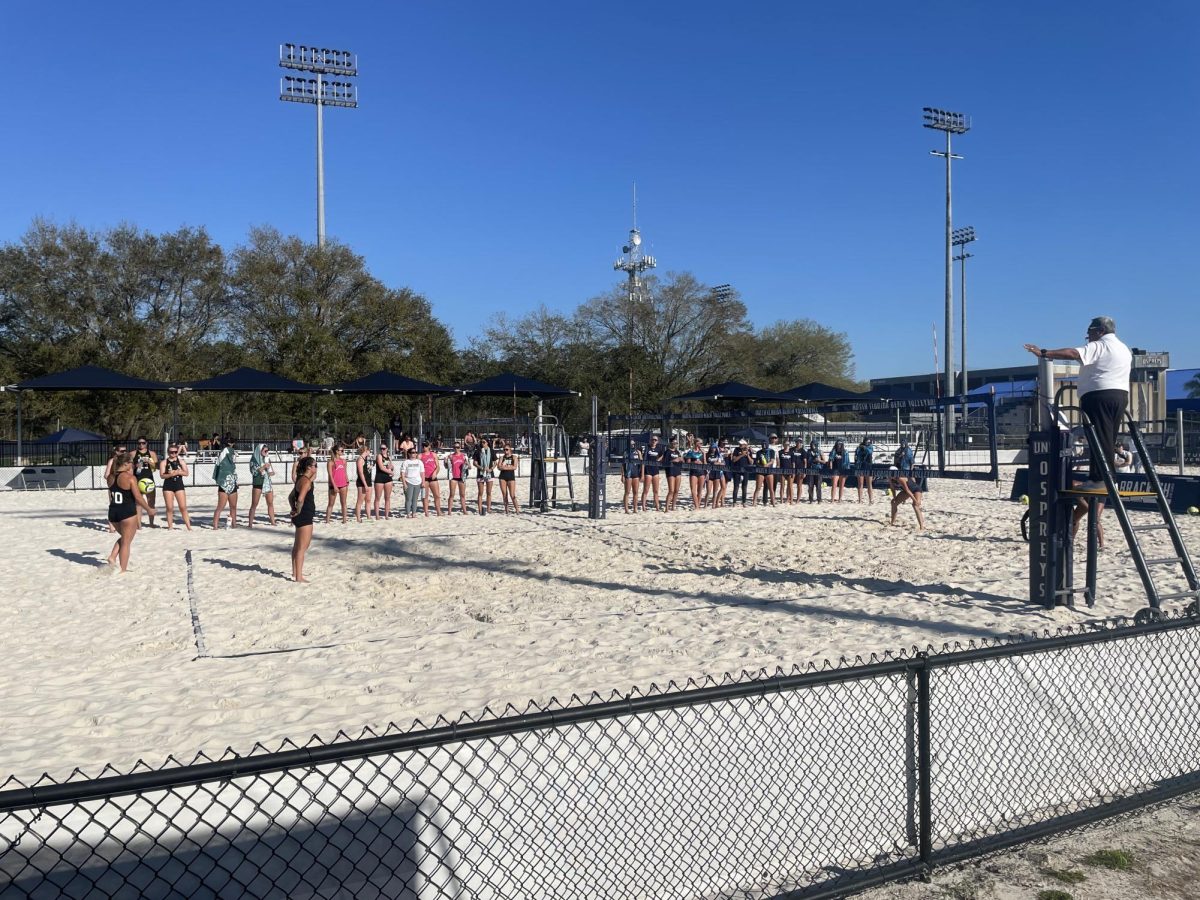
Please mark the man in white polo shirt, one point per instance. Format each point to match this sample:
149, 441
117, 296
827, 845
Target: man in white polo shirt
1103, 386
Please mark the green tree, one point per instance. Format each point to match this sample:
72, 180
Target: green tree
140, 303
673, 336
1193, 386
784, 355
316, 314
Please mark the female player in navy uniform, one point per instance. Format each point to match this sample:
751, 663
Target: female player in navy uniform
716, 476
653, 456
904, 485
864, 458
673, 458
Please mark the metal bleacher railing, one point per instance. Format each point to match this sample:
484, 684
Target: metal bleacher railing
806, 784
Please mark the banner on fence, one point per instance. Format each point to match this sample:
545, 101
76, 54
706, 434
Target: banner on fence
1182, 491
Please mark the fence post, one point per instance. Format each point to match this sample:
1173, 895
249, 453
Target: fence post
910, 760
1179, 437
925, 800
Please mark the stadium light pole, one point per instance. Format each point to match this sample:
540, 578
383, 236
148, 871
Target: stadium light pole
951, 123
960, 238
633, 262
321, 93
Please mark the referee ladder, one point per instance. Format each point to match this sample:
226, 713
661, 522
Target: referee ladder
1115, 496
552, 466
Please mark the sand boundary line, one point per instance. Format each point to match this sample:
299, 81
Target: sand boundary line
193, 605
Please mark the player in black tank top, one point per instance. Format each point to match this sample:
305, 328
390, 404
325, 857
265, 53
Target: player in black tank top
124, 498
173, 469
122, 503
144, 464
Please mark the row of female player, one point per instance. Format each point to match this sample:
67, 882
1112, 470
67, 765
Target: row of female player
780, 474
132, 487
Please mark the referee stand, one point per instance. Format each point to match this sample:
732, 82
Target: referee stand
1053, 497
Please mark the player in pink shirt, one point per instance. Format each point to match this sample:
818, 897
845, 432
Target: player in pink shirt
338, 481
430, 461
457, 464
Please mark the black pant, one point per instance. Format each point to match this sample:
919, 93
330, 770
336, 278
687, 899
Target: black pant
739, 483
1105, 410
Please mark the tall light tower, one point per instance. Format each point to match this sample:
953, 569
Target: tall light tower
951, 123
320, 92
634, 262
960, 238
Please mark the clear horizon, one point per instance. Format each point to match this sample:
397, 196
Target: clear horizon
490, 164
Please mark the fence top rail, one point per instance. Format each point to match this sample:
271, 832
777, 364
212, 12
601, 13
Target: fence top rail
54, 793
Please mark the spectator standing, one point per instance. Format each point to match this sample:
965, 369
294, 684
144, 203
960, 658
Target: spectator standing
412, 471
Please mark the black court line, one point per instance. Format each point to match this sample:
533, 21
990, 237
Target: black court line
197, 628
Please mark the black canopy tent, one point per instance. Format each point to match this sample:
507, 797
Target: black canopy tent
81, 378
734, 390
246, 379
507, 384
384, 382
817, 391
893, 392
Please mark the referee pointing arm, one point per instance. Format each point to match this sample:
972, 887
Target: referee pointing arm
1103, 385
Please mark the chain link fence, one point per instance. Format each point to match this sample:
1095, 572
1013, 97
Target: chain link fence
805, 784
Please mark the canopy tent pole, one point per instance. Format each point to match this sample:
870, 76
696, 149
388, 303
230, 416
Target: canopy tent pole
19, 450
175, 420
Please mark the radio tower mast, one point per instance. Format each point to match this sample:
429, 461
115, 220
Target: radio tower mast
634, 262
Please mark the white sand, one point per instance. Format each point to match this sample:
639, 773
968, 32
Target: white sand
416, 619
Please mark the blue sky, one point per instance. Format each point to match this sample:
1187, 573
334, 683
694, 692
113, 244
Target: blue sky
776, 146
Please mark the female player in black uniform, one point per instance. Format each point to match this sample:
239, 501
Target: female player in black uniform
508, 477
124, 498
384, 471
173, 470
145, 463
363, 483
304, 510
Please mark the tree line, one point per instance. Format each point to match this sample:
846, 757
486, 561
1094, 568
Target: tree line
179, 307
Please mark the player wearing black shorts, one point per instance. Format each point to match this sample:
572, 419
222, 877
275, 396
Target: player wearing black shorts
673, 457
653, 458
303, 512
124, 498
145, 464
173, 469
716, 476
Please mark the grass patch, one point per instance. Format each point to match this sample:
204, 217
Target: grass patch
1110, 859
1066, 876
1054, 895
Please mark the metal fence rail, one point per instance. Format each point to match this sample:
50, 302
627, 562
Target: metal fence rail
802, 785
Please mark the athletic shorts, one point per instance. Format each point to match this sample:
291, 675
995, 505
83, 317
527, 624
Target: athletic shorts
221, 490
